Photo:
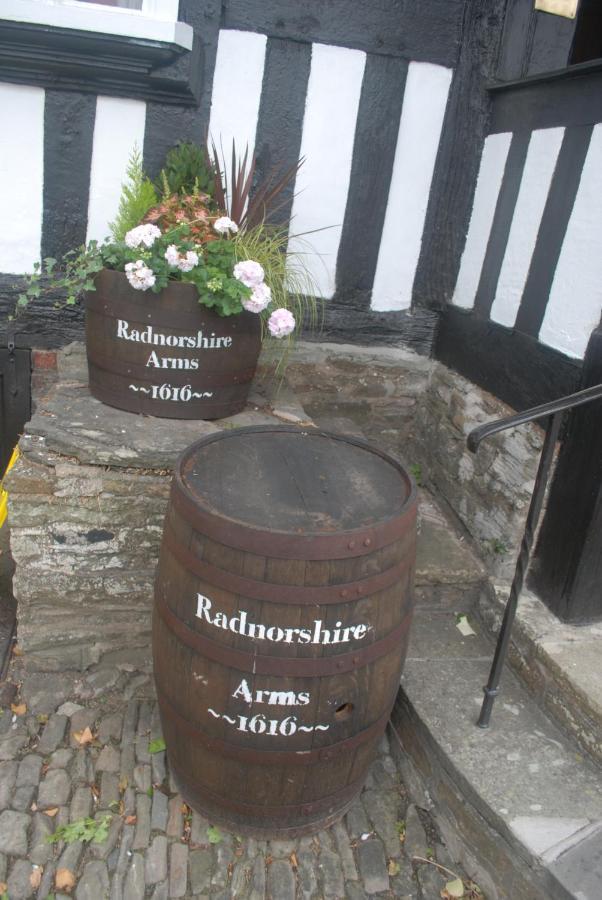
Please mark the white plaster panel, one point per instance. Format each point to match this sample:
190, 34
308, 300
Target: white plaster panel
491, 172
21, 176
118, 127
540, 163
575, 301
237, 82
322, 185
424, 104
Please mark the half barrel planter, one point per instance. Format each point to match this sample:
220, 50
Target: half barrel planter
283, 603
165, 354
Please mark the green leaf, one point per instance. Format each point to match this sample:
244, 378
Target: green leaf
86, 830
455, 888
156, 746
214, 835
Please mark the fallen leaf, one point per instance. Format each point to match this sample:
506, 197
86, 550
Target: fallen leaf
3, 887
214, 835
123, 783
19, 709
156, 746
453, 890
131, 820
51, 812
64, 879
393, 868
83, 737
36, 877
294, 860
463, 626
17, 650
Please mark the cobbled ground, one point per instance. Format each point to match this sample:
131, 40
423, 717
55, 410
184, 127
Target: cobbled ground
157, 847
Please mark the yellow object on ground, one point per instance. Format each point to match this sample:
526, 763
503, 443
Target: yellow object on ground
3, 493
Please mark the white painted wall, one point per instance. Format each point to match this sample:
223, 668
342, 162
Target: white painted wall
119, 126
540, 163
575, 302
236, 94
21, 176
424, 104
322, 185
491, 172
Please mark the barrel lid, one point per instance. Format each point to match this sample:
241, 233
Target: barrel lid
286, 491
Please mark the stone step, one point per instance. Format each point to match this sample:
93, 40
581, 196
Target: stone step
517, 802
559, 664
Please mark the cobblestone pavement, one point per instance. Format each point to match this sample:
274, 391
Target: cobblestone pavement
156, 846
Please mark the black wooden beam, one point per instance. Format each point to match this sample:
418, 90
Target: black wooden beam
46, 323
430, 32
457, 165
502, 222
281, 112
552, 229
378, 119
167, 124
567, 569
513, 366
68, 133
92, 62
572, 96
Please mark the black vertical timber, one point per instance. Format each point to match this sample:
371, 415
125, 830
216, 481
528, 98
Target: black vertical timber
15, 399
459, 155
281, 111
567, 571
167, 124
378, 118
502, 222
554, 222
68, 134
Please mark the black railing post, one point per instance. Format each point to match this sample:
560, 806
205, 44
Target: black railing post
522, 563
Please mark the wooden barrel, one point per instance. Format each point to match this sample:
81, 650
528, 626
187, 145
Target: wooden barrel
283, 602
165, 354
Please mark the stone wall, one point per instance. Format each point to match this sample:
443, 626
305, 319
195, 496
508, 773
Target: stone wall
422, 411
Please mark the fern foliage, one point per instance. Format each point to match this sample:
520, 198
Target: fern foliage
138, 195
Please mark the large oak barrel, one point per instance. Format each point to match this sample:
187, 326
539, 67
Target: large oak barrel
166, 354
283, 603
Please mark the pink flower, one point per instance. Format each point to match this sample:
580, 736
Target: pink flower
249, 272
259, 299
281, 323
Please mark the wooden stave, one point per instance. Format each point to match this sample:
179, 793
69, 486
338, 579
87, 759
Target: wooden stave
201, 761
177, 309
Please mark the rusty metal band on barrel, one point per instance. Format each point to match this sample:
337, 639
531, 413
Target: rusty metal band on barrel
273, 757
276, 812
281, 545
279, 665
271, 592
133, 370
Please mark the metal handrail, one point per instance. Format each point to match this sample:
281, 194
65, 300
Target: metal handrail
554, 412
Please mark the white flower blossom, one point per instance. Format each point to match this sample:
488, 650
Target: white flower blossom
260, 298
249, 272
142, 235
281, 323
182, 261
139, 275
188, 261
171, 255
224, 225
